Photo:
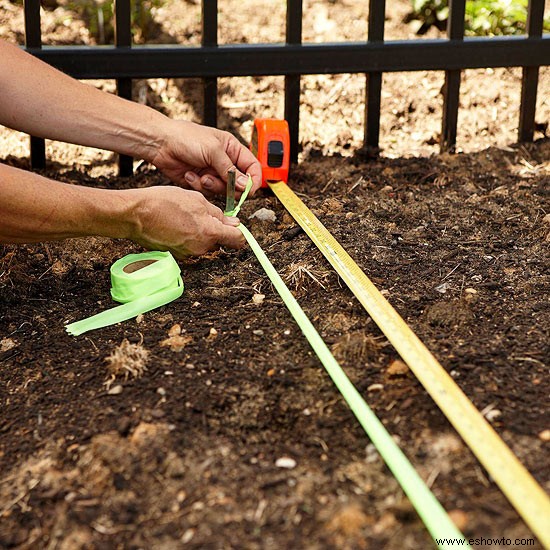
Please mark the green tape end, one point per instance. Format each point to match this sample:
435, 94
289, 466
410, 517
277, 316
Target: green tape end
237, 208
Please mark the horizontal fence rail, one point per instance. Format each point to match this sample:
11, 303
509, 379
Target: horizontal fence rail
273, 59
292, 59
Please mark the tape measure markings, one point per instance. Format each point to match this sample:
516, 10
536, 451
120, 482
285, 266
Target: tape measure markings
512, 477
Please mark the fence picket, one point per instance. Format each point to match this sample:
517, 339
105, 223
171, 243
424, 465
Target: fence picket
210, 84
377, 13
292, 82
33, 39
530, 75
123, 39
451, 88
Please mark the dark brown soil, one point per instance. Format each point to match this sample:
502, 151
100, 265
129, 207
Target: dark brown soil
184, 456
187, 451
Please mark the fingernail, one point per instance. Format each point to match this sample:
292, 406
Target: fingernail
231, 220
242, 181
190, 177
208, 183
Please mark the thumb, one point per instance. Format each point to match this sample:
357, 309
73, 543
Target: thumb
222, 164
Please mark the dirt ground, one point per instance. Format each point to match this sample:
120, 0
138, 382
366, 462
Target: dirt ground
184, 455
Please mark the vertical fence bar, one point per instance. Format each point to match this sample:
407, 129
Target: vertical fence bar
292, 82
123, 39
377, 14
210, 85
451, 88
530, 75
33, 39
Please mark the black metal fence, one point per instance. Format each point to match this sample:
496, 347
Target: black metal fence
125, 62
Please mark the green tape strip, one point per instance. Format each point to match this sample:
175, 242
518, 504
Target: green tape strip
427, 506
237, 208
154, 282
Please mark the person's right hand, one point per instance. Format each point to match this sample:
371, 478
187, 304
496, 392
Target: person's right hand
199, 157
180, 221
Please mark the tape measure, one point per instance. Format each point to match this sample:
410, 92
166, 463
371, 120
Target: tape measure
521, 489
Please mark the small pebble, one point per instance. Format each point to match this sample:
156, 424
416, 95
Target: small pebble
139, 318
285, 462
6, 344
115, 390
459, 518
161, 391
470, 291
544, 435
258, 332
264, 215
175, 330
258, 298
397, 368
443, 287
270, 372
187, 536
493, 414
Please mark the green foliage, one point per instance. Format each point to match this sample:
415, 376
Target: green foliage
99, 17
483, 17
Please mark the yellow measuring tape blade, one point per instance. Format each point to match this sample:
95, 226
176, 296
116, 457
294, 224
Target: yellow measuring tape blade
511, 476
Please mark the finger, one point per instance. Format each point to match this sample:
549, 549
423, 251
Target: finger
231, 220
234, 154
212, 184
246, 163
214, 211
193, 180
230, 236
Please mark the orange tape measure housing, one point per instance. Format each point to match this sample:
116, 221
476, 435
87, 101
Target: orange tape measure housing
271, 145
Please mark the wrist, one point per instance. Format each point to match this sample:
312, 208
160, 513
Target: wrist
148, 135
117, 214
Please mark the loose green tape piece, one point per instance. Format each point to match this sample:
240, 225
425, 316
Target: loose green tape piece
427, 506
141, 282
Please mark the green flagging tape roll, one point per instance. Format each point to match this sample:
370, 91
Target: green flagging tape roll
436, 520
141, 282
237, 208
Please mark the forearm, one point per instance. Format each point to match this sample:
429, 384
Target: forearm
44, 102
34, 208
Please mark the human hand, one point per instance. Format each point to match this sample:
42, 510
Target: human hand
181, 221
199, 157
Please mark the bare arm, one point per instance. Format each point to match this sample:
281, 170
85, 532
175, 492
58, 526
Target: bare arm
42, 101
34, 208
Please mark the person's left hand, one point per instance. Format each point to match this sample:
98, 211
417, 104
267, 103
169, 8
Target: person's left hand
199, 157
